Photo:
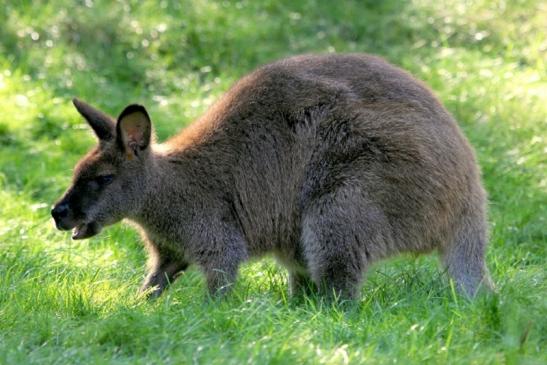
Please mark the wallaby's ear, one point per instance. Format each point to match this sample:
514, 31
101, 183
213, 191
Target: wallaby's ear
134, 129
103, 125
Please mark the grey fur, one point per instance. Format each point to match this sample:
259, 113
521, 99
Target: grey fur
329, 163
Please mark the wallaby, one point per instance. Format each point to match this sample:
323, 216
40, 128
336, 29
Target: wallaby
328, 162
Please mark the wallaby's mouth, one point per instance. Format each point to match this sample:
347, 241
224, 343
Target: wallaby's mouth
85, 230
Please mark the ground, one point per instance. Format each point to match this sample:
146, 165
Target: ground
67, 302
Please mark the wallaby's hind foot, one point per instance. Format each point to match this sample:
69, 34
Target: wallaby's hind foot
300, 284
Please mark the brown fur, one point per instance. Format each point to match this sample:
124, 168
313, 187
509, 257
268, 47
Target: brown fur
327, 162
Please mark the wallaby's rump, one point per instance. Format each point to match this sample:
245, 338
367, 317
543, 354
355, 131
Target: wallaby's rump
327, 162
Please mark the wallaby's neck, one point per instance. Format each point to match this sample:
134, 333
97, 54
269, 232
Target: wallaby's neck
176, 182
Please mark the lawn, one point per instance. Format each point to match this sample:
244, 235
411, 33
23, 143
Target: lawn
68, 302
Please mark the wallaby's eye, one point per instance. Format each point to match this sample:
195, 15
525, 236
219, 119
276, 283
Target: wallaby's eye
100, 181
104, 179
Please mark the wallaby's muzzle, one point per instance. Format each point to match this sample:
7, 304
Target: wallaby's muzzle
66, 219
62, 216
64, 222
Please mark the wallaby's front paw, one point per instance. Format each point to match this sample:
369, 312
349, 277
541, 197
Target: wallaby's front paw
150, 291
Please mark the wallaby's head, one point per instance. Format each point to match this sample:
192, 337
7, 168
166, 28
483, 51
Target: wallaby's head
110, 181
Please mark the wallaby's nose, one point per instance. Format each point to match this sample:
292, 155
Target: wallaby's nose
59, 211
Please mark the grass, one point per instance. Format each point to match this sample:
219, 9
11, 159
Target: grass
68, 302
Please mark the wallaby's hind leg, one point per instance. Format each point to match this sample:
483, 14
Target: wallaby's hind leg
334, 255
464, 256
334, 263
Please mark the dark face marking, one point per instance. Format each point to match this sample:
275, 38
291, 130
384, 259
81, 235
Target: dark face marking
92, 177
